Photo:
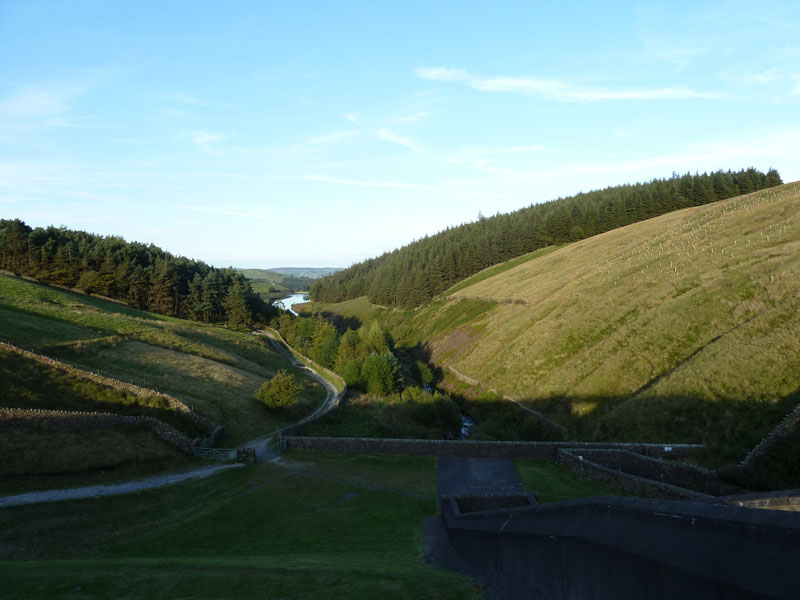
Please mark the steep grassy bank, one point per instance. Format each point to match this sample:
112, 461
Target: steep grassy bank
212, 370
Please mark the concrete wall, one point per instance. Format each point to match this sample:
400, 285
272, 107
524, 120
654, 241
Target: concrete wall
468, 448
624, 548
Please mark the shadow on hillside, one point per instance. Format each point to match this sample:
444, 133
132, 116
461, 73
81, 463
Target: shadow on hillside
728, 428
341, 322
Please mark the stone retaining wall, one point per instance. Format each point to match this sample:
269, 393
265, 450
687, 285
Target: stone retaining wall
578, 461
469, 448
658, 469
68, 420
788, 424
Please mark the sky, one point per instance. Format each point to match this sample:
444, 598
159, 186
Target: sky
269, 134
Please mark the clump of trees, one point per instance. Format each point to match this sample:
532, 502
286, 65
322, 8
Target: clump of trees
281, 391
414, 274
364, 358
143, 276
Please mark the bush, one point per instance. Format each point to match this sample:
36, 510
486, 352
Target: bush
280, 391
381, 373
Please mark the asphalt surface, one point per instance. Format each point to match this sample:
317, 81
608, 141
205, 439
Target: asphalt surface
477, 477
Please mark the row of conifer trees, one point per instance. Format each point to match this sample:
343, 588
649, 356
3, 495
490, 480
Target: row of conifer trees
144, 276
414, 274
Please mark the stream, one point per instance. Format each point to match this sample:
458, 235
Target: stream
466, 425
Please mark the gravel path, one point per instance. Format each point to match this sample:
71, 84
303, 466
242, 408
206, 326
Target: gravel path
96, 491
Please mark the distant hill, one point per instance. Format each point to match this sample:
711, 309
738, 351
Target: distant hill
271, 284
310, 272
415, 273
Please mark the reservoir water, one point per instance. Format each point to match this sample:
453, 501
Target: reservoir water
288, 303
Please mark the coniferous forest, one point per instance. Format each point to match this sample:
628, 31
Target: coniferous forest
414, 274
143, 276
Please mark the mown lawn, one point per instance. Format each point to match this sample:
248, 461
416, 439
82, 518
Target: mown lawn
319, 526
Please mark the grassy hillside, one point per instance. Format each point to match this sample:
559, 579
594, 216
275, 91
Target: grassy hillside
671, 328
685, 327
213, 370
315, 525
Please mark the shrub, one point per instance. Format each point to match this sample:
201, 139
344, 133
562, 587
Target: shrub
280, 391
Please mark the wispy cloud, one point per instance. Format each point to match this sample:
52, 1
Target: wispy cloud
40, 107
205, 141
796, 88
478, 156
442, 74
33, 103
781, 24
412, 118
246, 213
353, 118
332, 138
372, 184
518, 149
750, 78
670, 37
555, 90
94, 196
389, 136
478, 162
192, 100
680, 56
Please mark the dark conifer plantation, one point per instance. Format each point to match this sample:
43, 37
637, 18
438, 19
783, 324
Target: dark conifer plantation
143, 276
414, 274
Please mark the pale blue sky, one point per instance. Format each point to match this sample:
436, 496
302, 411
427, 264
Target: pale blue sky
267, 134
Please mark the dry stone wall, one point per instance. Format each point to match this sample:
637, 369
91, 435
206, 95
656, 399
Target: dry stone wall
68, 420
469, 448
215, 430
577, 461
788, 424
675, 473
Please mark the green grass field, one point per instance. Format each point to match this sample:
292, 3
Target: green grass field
317, 526
43, 457
393, 416
213, 370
